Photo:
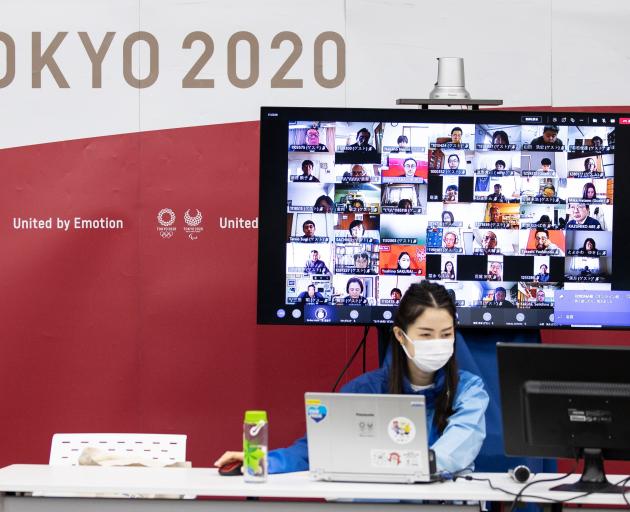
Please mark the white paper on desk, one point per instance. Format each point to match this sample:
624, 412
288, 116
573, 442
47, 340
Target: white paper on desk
95, 457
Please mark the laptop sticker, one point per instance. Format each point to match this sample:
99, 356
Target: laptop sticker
317, 412
401, 430
395, 458
365, 427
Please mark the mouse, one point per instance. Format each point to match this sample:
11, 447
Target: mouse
231, 468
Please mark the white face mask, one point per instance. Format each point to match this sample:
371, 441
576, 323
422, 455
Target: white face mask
430, 355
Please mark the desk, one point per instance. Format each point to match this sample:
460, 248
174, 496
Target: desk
206, 482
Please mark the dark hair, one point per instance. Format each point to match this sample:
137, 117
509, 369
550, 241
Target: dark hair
325, 199
453, 155
395, 290
500, 289
586, 205
456, 129
549, 185
450, 214
363, 130
354, 224
417, 299
452, 187
544, 219
309, 221
354, 280
306, 163
597, 137
357, 203
592, 241
586, 162
315, 251
402, 138
542, 230
498, 185
551, 128
500, 133
452, 271
545, 161
546, 268
362, 255
499, 162
311, 286
403, 202
412, 159
401, 255
586, 188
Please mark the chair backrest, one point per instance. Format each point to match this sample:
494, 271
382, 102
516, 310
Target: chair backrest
167, 448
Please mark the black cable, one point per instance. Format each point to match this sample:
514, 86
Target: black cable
364, 351
543, 498
356, 351
520, 493
623, 492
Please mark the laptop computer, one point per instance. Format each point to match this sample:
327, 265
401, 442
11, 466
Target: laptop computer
368, 438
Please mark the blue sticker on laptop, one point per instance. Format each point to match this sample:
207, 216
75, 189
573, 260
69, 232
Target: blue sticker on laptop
317, 412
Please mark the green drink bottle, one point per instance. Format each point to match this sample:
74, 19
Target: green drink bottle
255, 439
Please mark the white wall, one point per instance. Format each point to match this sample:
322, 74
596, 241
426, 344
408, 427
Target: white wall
526, 52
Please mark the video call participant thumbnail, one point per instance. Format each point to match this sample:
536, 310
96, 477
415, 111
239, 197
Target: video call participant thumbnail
450, 189
356, 148
495, 241
589, 243
391, 289
311, 296
354, 290
580, 217
548, 140
444, 240
543, 275
497, 137
500, 299
307, 172
535, 296
308, 230
583, 269
323, 204
357, 174
362, 142
495, 270
314, 265
309, 197
449, 136
543, 241
307, 141
402, 145
402, 260
494, 217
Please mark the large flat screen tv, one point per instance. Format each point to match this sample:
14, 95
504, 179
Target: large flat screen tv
520, 214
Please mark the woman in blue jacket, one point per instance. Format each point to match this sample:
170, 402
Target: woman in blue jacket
422, 362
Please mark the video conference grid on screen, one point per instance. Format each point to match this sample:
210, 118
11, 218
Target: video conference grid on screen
506, 215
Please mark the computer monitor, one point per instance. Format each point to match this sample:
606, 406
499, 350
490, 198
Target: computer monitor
520, 214
567, 401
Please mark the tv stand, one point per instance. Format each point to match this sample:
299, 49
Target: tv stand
470, 104
593, 477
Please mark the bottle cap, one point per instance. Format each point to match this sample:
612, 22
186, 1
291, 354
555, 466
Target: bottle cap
255, 416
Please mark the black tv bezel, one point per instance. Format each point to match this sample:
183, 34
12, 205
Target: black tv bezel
273, 185
519, 363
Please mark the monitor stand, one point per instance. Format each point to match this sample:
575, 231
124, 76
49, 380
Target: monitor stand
593, 477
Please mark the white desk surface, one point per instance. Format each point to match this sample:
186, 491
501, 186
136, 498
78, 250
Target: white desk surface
207, 482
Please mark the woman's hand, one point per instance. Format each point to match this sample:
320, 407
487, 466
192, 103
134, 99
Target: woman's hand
228, 457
